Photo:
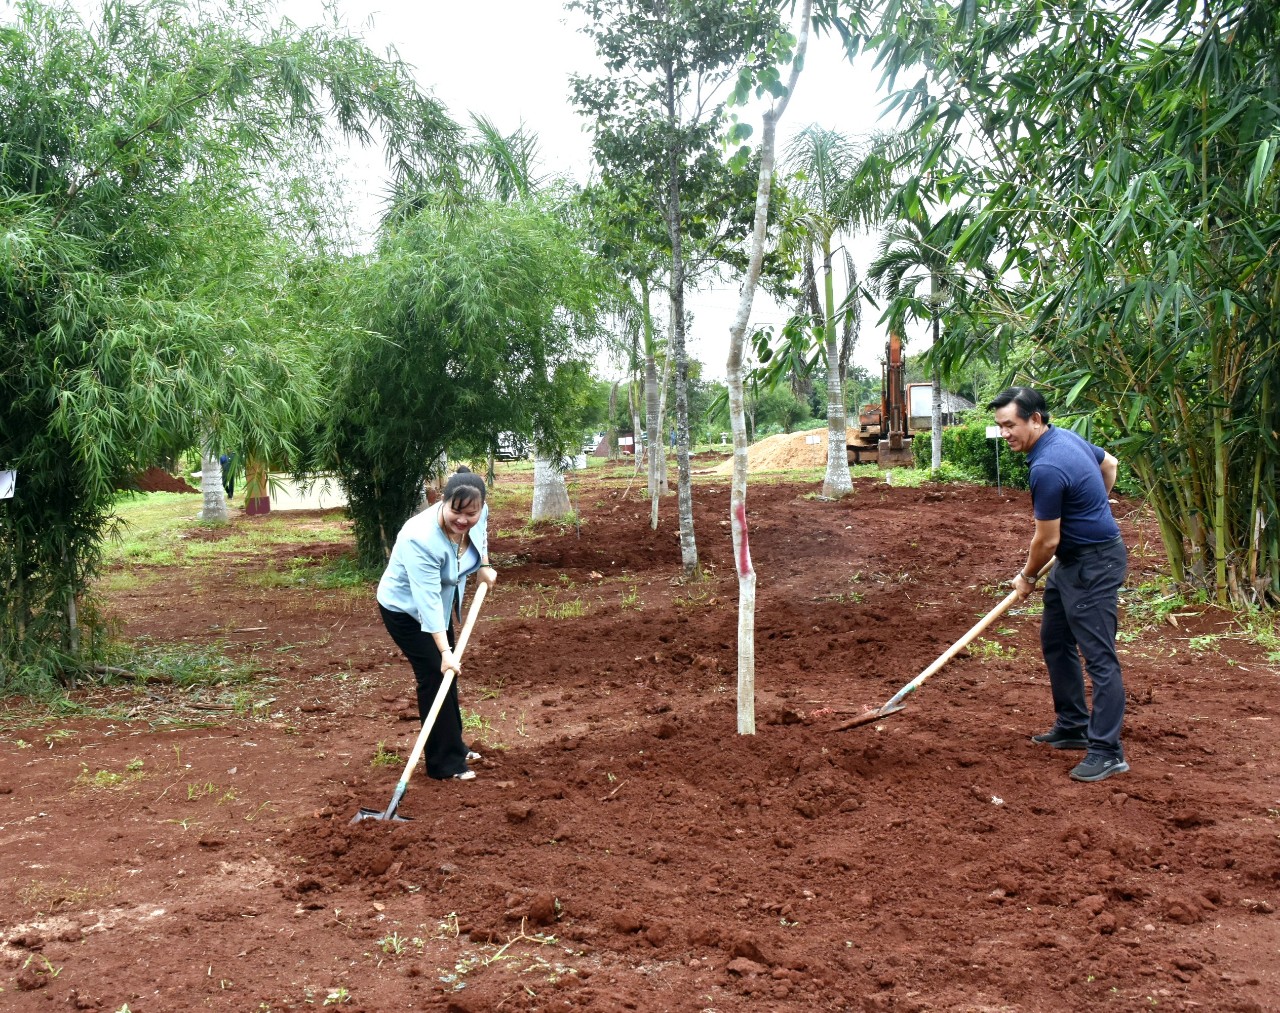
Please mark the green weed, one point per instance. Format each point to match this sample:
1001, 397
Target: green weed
475, 723
197, 791
986, 650
494, 691
108, 780
385, 757
548, 607
630, 598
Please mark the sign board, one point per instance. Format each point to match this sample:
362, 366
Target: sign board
993, 432
813, 439
8, 479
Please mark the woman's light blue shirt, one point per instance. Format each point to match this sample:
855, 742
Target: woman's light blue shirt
425, 578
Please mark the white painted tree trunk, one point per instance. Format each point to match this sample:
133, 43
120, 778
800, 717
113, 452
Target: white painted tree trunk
738, 493
837, 482
653, 425
550, 496
214, 510
936, 434
664, 486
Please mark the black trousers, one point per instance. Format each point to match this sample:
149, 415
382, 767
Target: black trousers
446, 753
1080, 619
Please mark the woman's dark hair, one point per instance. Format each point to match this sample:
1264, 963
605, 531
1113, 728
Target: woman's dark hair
464, 488
1028, 402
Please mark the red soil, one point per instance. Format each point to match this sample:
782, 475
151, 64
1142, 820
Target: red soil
622, 846
159, 480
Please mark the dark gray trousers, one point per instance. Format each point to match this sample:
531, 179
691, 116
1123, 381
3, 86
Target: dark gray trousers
1081, 604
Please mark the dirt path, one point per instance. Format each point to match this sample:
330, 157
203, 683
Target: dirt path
622, 848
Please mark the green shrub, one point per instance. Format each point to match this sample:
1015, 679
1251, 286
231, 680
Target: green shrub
966, 448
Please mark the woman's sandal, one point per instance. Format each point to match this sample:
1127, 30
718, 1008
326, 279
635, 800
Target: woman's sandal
466, 775
473, 756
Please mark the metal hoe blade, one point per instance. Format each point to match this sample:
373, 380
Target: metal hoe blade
379, 814
872, 715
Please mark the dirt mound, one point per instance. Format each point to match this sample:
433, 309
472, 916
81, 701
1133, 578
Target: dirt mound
159, 480
785, 451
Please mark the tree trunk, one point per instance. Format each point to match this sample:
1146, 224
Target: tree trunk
837, 483
935, 433
634, 402
214, 510
652, 427
550, 497
737, 414
611, 434
675, 223
660, 440
257, 487
851, 323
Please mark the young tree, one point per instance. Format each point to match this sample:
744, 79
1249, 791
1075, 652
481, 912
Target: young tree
659, 115
824, 165
915, 251
770, 82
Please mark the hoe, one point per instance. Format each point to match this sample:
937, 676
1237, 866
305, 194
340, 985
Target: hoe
895, 702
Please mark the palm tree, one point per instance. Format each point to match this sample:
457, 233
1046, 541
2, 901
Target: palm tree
915, 251
840, 185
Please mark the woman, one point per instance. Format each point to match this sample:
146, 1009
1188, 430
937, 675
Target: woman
419, 595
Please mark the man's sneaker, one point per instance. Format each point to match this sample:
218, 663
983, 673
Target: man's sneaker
1062, 738
1096, 767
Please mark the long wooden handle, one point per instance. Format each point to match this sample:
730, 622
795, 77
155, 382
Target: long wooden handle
964, 641
443, 691
472, 613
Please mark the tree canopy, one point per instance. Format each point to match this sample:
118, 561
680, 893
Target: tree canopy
144, 287
468, 323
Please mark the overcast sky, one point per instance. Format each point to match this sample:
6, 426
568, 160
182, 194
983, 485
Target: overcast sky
511, 60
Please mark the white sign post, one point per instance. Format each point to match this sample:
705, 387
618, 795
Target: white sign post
993, 433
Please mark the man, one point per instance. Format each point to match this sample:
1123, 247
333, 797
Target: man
1071, 482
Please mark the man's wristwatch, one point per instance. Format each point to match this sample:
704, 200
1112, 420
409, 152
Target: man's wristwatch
1029, 580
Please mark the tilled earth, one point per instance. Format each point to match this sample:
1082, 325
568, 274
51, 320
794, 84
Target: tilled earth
622, 847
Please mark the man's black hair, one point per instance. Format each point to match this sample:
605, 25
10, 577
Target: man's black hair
1028, 402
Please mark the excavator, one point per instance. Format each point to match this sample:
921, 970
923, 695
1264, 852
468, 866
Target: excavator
885, 430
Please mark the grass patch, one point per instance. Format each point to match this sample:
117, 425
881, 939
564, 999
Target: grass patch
45, 897
109, 780
989, 650
183, 665
340, 573
548, 605
162, 529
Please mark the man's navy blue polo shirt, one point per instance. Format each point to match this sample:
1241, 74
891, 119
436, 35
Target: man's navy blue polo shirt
1066, 485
